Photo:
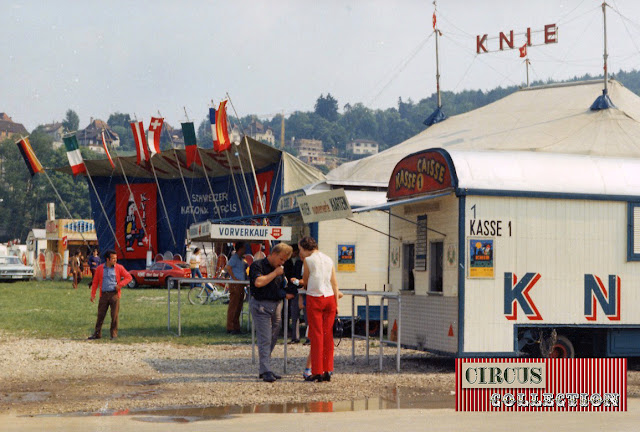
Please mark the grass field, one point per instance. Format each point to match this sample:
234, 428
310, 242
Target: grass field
55, 310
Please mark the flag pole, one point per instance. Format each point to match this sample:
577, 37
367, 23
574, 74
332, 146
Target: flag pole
63, 203
186, 191
86, 242
102, 207
206, 174
104, 212
233, 178
144, 225
155, 176
166, 214
235, 186
253, 169
437, 32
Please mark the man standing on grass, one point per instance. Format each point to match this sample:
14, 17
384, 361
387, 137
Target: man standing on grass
110, 277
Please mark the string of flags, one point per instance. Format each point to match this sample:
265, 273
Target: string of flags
147, 145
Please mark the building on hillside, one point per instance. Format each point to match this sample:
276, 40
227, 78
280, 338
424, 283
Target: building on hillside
310, 151
8, 127
362, 147
91, 136
177, 138
55, 130
260, 132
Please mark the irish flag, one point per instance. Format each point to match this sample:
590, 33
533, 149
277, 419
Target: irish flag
73, 154
190, 144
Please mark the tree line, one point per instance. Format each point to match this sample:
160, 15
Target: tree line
24, 199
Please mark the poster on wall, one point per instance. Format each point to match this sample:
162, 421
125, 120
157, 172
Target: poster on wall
394, 255
346, 257
421, 244
134, 237
481, 258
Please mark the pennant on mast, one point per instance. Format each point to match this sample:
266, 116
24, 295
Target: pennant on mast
190, 144
106, 150
214, 132
155, 130
33, 164
222, 130
142, 150
73, 154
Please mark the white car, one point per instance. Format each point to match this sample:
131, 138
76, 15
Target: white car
11, 268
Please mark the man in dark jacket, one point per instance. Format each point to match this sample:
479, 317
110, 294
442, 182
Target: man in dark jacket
266, 278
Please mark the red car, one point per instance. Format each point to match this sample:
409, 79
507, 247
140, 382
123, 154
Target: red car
160, 273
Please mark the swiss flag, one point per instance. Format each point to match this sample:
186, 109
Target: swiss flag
155, 129
434, 20
523, 50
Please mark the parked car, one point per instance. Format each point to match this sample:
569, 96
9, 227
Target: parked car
11, 269
161, 273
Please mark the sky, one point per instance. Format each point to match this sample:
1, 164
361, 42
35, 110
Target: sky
274, 56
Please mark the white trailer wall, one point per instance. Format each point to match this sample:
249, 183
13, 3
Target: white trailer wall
562, 240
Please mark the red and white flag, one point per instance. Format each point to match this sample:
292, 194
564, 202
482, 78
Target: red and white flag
106, 150
434, 20
153, 137
523, 50
142, 150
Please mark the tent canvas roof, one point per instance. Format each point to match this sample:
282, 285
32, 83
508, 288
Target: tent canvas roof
296, 172
549, 119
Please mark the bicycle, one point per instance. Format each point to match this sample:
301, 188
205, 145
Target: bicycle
208, 293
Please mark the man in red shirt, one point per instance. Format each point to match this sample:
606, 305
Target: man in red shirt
110, 277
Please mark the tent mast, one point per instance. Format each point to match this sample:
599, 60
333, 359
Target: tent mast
436, 31
605, 56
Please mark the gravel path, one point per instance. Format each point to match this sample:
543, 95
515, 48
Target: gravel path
56, 376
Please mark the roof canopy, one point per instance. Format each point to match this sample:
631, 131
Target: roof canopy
296, 172
547, 119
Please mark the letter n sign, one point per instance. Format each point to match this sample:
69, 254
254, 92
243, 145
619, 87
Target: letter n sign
518, 293
594, 290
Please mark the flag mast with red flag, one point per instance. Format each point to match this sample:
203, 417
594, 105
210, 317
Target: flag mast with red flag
142, 150
126, 180
188, 130
35, 167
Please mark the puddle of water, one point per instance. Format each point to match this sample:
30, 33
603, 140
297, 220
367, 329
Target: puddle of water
403, 398
37, 396
414, 399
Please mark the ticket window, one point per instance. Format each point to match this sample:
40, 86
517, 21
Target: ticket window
436, 256
408, 261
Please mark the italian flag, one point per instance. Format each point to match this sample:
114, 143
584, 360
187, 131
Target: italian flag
73, 154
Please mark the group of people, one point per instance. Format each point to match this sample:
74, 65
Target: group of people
313, 272
77, 266
268, 289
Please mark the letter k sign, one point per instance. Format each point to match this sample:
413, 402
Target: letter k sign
518, 292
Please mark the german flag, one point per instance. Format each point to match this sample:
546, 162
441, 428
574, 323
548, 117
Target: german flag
33, 164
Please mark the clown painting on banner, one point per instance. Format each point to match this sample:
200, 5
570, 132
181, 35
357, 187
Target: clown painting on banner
135, 235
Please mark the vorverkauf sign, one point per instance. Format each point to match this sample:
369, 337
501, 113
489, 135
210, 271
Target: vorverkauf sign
324, 206
250, 232
514, 384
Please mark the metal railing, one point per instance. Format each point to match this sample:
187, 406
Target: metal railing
383, 295
193, 281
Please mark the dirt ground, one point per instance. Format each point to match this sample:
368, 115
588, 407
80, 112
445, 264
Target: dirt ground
63, 376
71, 376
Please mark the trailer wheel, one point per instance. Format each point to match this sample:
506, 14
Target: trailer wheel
563, 348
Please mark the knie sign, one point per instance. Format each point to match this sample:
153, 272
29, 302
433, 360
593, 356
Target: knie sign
510, 40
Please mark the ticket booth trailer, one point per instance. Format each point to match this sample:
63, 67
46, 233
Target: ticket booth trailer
516, 253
